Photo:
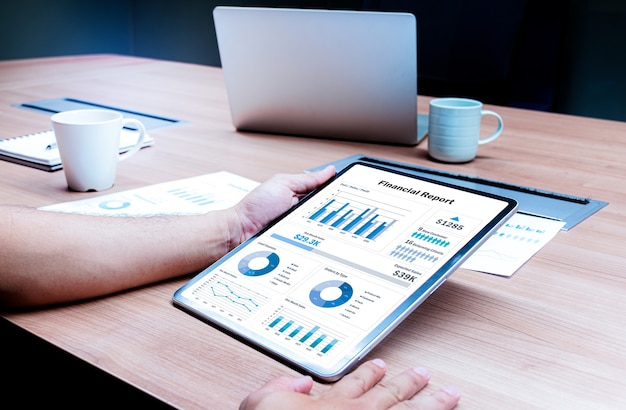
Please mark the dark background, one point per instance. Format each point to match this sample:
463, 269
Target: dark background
564, 56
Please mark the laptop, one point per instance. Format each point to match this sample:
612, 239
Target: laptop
348, 75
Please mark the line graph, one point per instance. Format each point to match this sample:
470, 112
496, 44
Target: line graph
231, 297
223, 290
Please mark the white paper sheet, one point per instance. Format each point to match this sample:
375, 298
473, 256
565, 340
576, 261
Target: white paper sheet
513, 244
196, 195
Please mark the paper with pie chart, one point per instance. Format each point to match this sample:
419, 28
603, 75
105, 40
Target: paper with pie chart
343, 267
189, 196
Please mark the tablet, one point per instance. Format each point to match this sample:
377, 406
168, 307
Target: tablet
324, 283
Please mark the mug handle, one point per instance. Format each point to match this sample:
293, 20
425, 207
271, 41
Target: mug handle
142, 136
497, 132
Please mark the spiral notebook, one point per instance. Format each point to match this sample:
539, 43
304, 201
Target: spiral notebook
39, 150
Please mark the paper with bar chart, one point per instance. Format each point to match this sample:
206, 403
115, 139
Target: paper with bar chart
189, 196
338, 270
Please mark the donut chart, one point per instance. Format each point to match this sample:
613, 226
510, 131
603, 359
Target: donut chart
114, 204
258, 263
343, 288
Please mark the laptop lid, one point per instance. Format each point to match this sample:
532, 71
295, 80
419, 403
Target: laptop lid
332, 74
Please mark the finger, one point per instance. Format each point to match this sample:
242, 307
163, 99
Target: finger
312, 180
444, 399
302, 384
398, 389
358, 382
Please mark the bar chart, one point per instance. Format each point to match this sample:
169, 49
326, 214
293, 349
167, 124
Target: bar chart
194, 195
356, 216
303, 332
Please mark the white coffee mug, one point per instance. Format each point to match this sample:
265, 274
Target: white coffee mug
89, 145
454, 129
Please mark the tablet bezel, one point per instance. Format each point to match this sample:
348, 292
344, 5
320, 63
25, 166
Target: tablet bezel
345, 362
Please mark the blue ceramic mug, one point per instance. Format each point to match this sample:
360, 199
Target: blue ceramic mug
454, 129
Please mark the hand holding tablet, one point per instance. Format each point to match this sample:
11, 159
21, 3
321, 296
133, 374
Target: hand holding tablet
323, 284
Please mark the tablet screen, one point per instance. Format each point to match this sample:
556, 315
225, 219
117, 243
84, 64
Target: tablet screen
324, 283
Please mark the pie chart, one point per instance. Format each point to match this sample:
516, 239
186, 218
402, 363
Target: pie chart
331, 293
258, 263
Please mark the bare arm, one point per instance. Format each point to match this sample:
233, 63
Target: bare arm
48, 258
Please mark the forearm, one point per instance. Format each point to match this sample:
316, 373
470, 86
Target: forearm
49, 259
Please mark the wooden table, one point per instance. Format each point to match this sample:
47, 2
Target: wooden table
552, 336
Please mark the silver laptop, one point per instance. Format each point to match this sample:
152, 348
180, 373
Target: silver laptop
346, 75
